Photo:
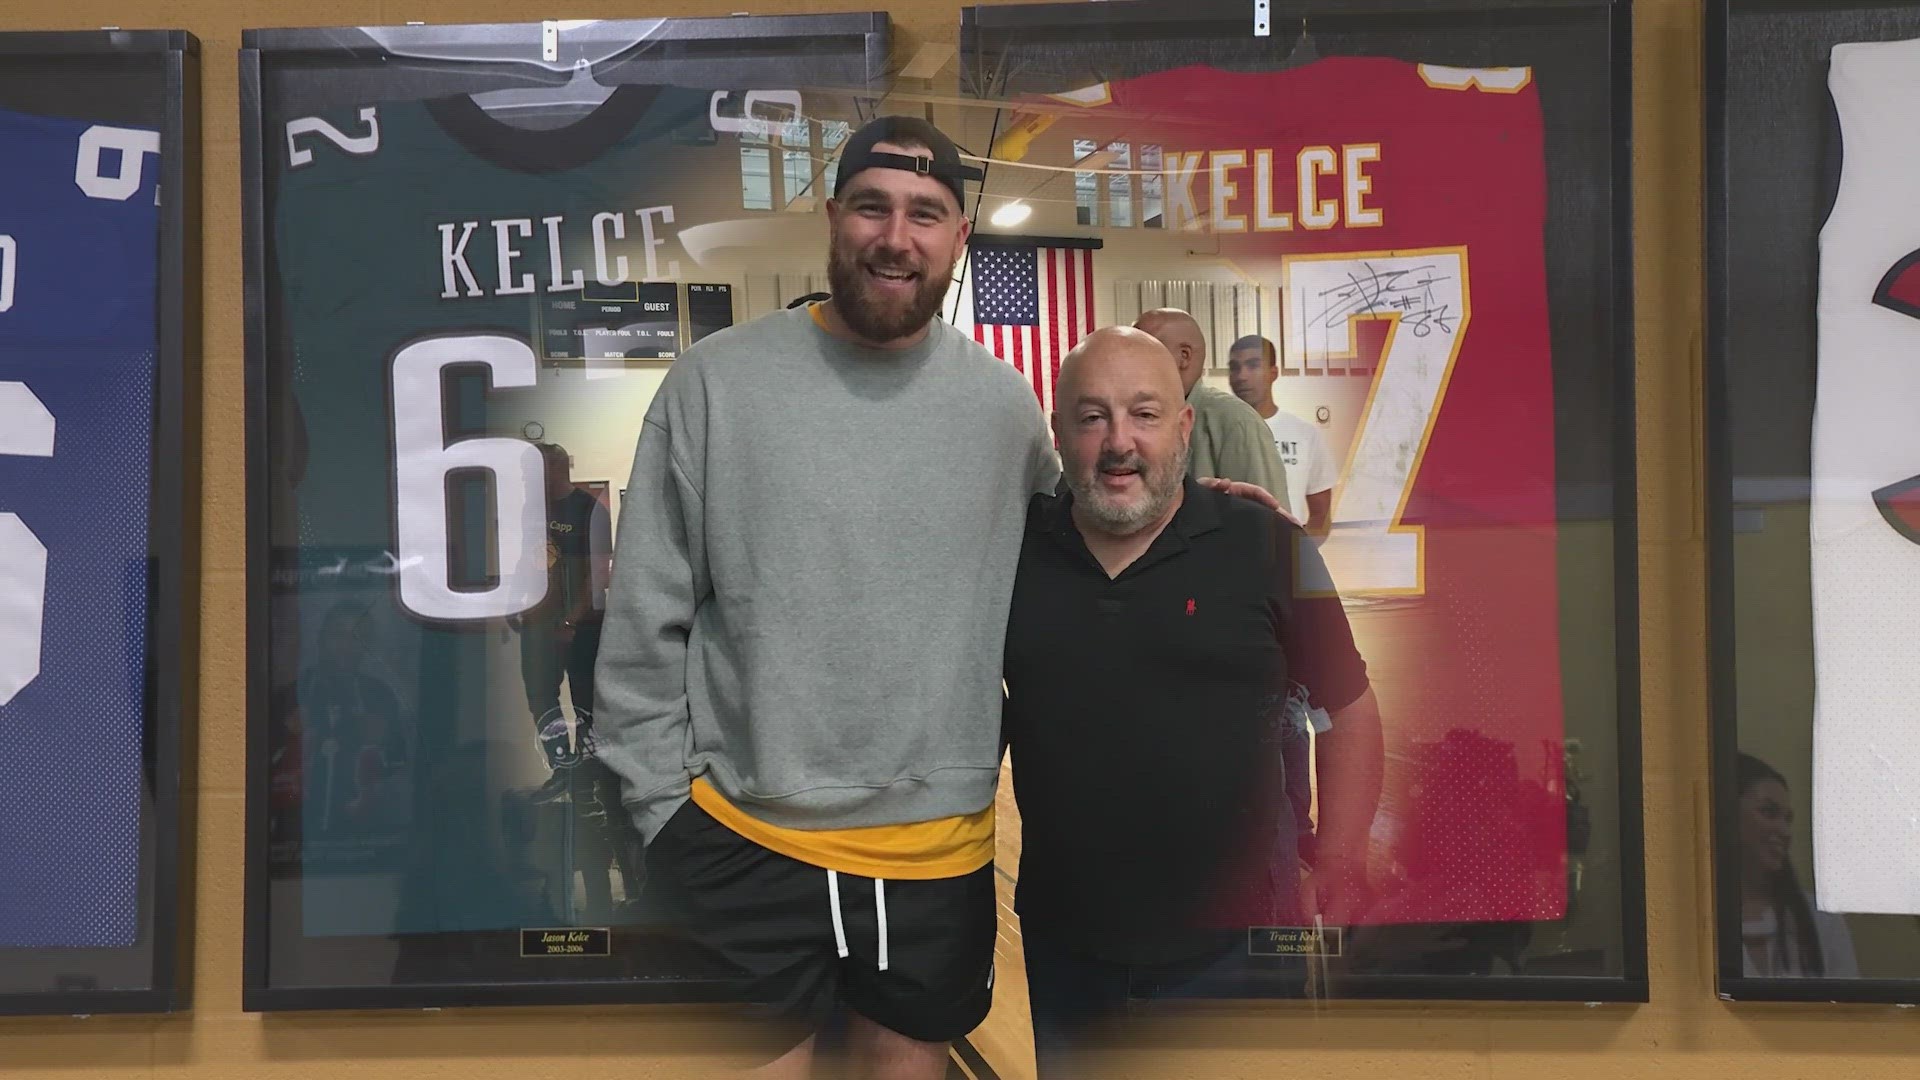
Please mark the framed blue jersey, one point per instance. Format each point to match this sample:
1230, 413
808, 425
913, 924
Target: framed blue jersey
92, 450
76, 405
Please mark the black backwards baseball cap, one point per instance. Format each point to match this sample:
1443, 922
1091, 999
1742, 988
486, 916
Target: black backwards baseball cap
945, 165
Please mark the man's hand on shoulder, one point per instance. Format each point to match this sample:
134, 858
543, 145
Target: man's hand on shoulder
1242, 490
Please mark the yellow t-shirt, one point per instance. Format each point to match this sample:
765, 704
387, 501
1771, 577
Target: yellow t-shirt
917, 851
920, 850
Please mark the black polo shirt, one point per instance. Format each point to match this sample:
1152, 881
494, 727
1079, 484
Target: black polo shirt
1146, 714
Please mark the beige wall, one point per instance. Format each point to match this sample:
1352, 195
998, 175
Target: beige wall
1685, 1032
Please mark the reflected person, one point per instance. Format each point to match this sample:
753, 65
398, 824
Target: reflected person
559, 639
1781, 935
1252, 367
354, 742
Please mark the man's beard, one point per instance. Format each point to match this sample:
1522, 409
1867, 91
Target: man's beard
879, 319
1162, 482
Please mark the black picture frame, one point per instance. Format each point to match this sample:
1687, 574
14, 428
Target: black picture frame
154, 975
739, 52
1121, 39
1766, 388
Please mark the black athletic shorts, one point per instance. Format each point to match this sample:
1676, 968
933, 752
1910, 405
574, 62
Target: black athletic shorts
913, 956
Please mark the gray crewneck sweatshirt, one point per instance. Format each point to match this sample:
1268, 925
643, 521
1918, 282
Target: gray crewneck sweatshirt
812, 575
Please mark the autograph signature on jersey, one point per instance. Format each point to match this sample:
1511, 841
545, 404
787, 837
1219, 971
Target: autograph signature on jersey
1407, 292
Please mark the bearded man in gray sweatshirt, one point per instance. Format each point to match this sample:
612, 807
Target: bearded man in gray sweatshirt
799, 677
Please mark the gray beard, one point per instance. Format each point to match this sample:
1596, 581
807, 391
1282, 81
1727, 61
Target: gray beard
1116, 520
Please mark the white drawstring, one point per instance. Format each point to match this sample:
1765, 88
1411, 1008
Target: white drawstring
833, 901
880, 910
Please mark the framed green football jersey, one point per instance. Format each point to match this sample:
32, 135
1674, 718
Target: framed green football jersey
472, 254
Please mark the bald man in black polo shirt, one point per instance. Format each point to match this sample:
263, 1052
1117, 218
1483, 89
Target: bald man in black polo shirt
1157, 629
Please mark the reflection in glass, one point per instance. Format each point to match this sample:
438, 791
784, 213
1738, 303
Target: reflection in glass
832, 134
756, 173
1120, 185
1781, 934
798, 178
355, 743
560, 638
797, 156
1086, 185
1153, 187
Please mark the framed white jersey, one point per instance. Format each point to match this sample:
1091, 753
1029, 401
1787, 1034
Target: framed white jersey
1814, 483
1865, 528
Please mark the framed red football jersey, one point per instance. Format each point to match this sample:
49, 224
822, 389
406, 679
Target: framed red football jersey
1395, 213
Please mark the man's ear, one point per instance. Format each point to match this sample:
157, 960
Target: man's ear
1186, 423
